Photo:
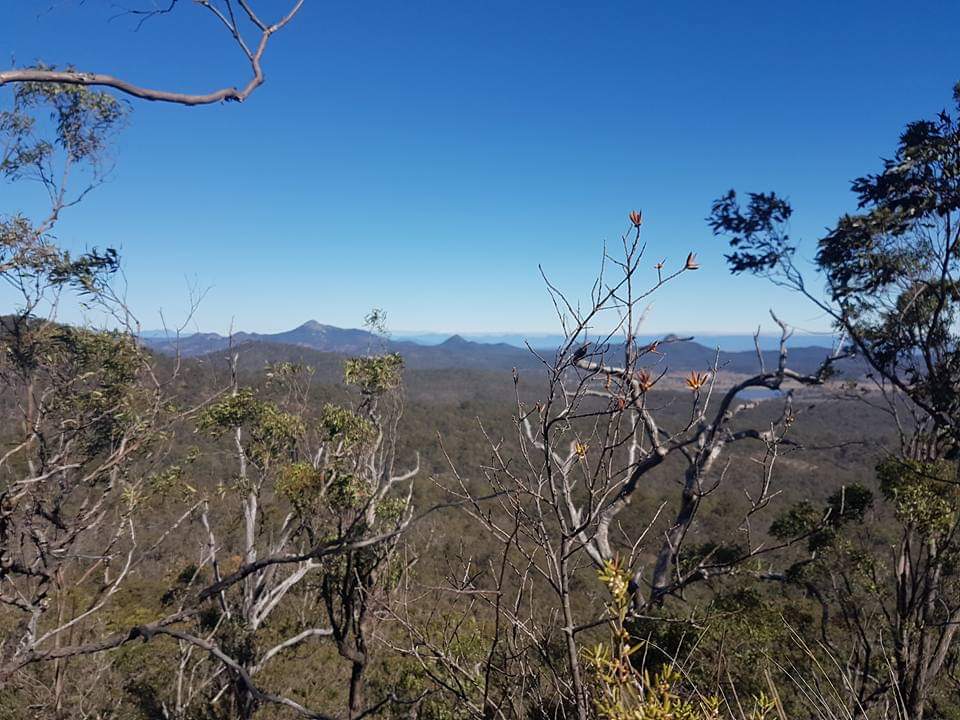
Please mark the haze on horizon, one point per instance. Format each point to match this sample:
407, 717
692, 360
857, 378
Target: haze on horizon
542, 341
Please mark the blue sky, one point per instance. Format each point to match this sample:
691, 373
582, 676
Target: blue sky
425, 157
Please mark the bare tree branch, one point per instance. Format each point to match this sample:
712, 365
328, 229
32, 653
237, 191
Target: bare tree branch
254, 54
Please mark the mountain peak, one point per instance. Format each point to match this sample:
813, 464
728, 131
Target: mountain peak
455, 340
313, 326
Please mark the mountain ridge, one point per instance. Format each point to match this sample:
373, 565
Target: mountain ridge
458, 352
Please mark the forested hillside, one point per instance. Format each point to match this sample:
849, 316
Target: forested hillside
457, 424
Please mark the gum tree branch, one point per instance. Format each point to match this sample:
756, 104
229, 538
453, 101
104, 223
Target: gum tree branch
225, 94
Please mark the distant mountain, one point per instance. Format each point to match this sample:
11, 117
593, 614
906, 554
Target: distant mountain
311, 334
520, 340
688, 355
459, 352
729, 342
452, 353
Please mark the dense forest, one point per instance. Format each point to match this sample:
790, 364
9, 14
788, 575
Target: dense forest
200, 528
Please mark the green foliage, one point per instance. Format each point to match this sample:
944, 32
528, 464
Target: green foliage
91, 378
271, 432
890, 268
621, 691
376, 321
107, 366
28, 255
374, 374
709, 553
237, 410
847, 505
171, 480
280, 371
924, 494
336, 484
83, 120
796, 521
621, 696
758, 233
347, 491
53, 131
300, 483
390, 510
274, 431
336, 489
344, 426
407, 678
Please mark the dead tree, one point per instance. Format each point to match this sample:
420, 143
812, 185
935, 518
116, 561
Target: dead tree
583, 449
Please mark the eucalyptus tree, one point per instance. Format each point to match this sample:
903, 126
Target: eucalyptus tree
82, 409
90, 422
301, 479
890, 272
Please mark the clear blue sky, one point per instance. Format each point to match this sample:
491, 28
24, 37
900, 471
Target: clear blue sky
424, 157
